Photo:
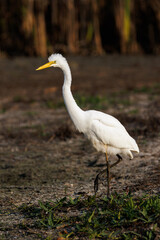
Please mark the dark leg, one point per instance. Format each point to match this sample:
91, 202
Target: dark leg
108, 174
97, 180
118, 161
119, 156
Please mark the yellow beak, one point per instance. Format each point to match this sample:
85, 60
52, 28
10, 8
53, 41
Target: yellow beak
47, 65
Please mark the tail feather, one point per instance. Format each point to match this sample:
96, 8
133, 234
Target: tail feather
134, 145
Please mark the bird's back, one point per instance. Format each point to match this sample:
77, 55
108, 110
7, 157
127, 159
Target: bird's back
105, 131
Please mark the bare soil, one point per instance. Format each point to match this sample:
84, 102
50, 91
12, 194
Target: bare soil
43, 157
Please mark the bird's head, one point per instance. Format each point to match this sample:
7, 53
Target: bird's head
55, 60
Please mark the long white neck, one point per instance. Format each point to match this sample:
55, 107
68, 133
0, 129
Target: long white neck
75, 112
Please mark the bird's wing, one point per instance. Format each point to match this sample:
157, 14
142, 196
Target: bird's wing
105, 119
114, 135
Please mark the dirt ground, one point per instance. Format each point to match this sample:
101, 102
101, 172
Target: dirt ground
43, 157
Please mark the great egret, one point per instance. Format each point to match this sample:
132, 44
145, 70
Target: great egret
105, 132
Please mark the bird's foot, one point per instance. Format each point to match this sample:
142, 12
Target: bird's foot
91, 164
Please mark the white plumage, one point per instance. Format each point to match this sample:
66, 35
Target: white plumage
108, 135
105, 132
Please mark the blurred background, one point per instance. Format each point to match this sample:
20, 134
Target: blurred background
113, 49
38, 27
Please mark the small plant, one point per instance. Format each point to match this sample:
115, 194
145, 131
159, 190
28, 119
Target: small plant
154, 89
3, 110
41, 130
31, 113
134, 111
120, 217
97, 102
54, 104
18, 99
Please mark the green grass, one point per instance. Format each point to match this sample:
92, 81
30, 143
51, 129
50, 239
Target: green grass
101, 102
82, 101
96, 102
134, 111
92, 102
3, 110
41, 130
154, 89
31, 113
54, 104
18, 99
120, 217
22, 99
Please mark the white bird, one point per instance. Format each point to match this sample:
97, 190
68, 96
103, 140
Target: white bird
105, 132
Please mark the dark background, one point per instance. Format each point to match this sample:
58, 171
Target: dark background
87, 27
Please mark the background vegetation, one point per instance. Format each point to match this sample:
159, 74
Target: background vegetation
38, 27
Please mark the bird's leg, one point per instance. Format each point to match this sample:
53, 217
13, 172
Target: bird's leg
108, 175
107, 171
97, 179
118, 161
